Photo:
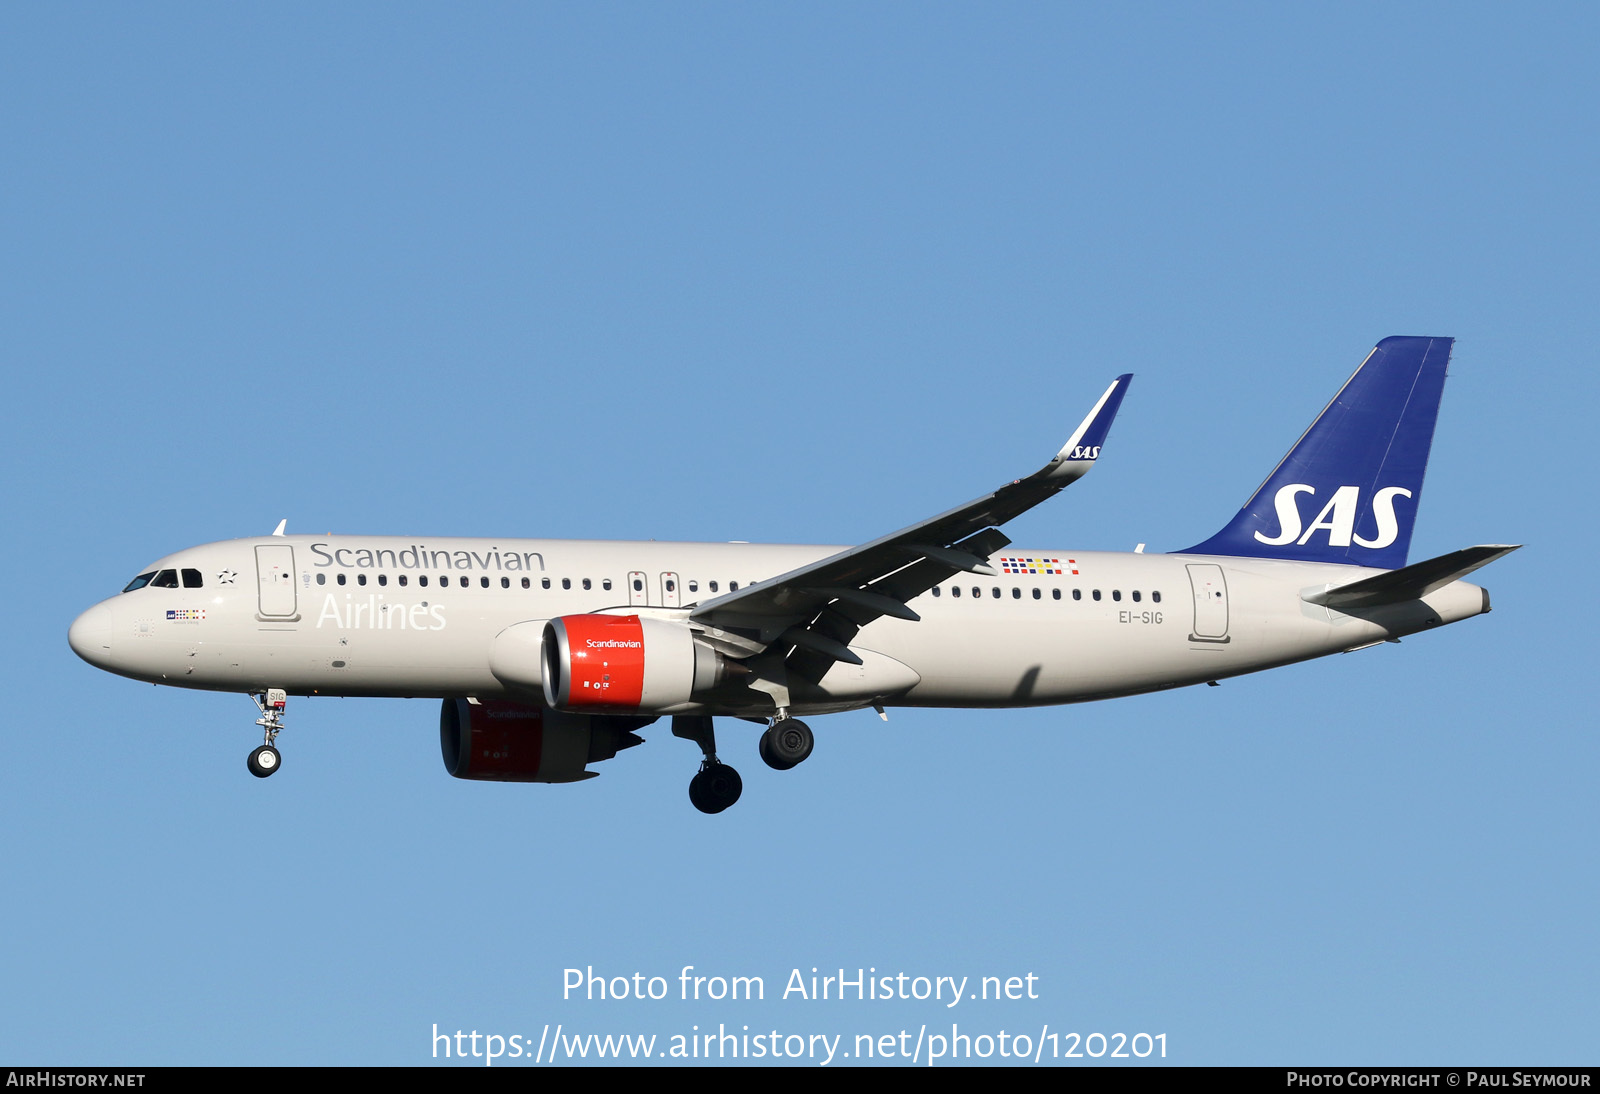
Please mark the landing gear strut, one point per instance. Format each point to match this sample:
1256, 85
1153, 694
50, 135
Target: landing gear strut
786, 743
265, 760
717, 785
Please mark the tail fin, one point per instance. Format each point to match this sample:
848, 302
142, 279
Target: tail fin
1358, 468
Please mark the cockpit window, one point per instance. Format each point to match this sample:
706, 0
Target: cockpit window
139, 582
191, 579
165, 579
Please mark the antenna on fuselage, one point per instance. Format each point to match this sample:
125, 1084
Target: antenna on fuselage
282, 524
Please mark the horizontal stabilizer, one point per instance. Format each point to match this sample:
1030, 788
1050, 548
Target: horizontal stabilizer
1411, 582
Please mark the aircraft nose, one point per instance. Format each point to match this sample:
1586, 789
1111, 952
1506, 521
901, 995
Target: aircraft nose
90, 636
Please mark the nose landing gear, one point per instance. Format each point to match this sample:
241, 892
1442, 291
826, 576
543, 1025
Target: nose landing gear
265, 760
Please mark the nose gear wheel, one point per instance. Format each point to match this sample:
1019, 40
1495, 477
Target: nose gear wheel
264, 761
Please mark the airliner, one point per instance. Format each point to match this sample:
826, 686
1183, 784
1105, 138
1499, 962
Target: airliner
550, 655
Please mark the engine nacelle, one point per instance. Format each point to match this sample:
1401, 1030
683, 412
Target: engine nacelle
511, 742
625, 664
516, 659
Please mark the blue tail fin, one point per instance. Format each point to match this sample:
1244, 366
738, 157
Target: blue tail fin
1348, 491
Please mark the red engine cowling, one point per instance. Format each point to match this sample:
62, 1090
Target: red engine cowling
625, 664
512, 742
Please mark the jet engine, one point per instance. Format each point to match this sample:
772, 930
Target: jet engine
499, 741
626, 664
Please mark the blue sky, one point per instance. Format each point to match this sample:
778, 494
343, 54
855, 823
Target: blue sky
795, 274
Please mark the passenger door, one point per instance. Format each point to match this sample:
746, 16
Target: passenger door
1210, 602
275, 581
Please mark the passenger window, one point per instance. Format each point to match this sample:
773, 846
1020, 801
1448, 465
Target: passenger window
638, 585
1096, 594
997, 592
1016, 593
976, 592
340, 579
526, 584
464, 581
1077, 594
1055, 593
733, 586
191, 579
1038, 595
587, 584
605, 583
483, 581
566, 583
422, 579
322, 579
505, 583
672, 586
955, 590
165, 579
712, 585
694, 586
383, 579
139, 582
402, 579
361, 579
1156, 597
1116, 594
544, 583
935, 590
1136, 596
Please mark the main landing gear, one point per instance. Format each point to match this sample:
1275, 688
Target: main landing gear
786, 743
717, 785
265, 760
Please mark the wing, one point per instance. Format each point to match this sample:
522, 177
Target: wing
816, 610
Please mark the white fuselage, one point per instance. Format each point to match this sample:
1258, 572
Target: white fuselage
391, 616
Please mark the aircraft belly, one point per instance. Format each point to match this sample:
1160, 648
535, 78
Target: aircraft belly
400, 659
1024, 661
